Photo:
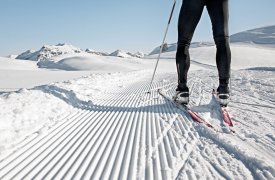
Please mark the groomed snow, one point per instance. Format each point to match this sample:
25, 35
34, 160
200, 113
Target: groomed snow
106, 125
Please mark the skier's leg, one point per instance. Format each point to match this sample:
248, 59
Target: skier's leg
189, 17
218, 11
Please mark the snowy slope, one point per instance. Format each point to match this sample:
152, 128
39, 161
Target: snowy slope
243, 56
260, 36
17, 74
13, 64
173, 47
83, 62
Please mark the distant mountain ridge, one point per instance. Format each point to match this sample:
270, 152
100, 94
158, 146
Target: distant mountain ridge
124, 54
50, 51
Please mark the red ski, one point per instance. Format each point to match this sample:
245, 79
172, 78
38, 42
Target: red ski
226, 117
224, 113
195, 116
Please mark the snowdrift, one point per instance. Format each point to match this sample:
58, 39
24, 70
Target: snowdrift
86, 62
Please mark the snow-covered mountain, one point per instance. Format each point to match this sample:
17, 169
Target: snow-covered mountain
29, 55
259, 36
137, 54
120, 53
124, 54
92, 51
49, 51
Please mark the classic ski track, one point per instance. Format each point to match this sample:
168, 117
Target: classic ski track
82, 144
128, 134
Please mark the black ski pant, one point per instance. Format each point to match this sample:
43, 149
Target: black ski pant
189, 17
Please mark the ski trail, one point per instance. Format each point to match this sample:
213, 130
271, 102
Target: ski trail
127, 133
121, 136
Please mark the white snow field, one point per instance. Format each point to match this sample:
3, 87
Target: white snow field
97, 120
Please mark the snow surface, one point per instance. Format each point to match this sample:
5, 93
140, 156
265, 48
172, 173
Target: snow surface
105, 124
17, 74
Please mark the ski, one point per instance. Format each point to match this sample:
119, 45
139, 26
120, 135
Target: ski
194, 116
224, 113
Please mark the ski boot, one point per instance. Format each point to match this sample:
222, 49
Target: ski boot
223, 94
182, 95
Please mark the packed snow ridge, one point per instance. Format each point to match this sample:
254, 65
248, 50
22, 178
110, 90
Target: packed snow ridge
47, 52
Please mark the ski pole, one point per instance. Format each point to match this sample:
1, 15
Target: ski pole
161, 48
230, 83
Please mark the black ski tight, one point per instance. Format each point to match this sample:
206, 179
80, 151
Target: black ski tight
189, 17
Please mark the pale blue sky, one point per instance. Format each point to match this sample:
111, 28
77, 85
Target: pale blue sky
107, 25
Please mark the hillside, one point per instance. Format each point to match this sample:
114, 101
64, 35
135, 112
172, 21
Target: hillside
264, 36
